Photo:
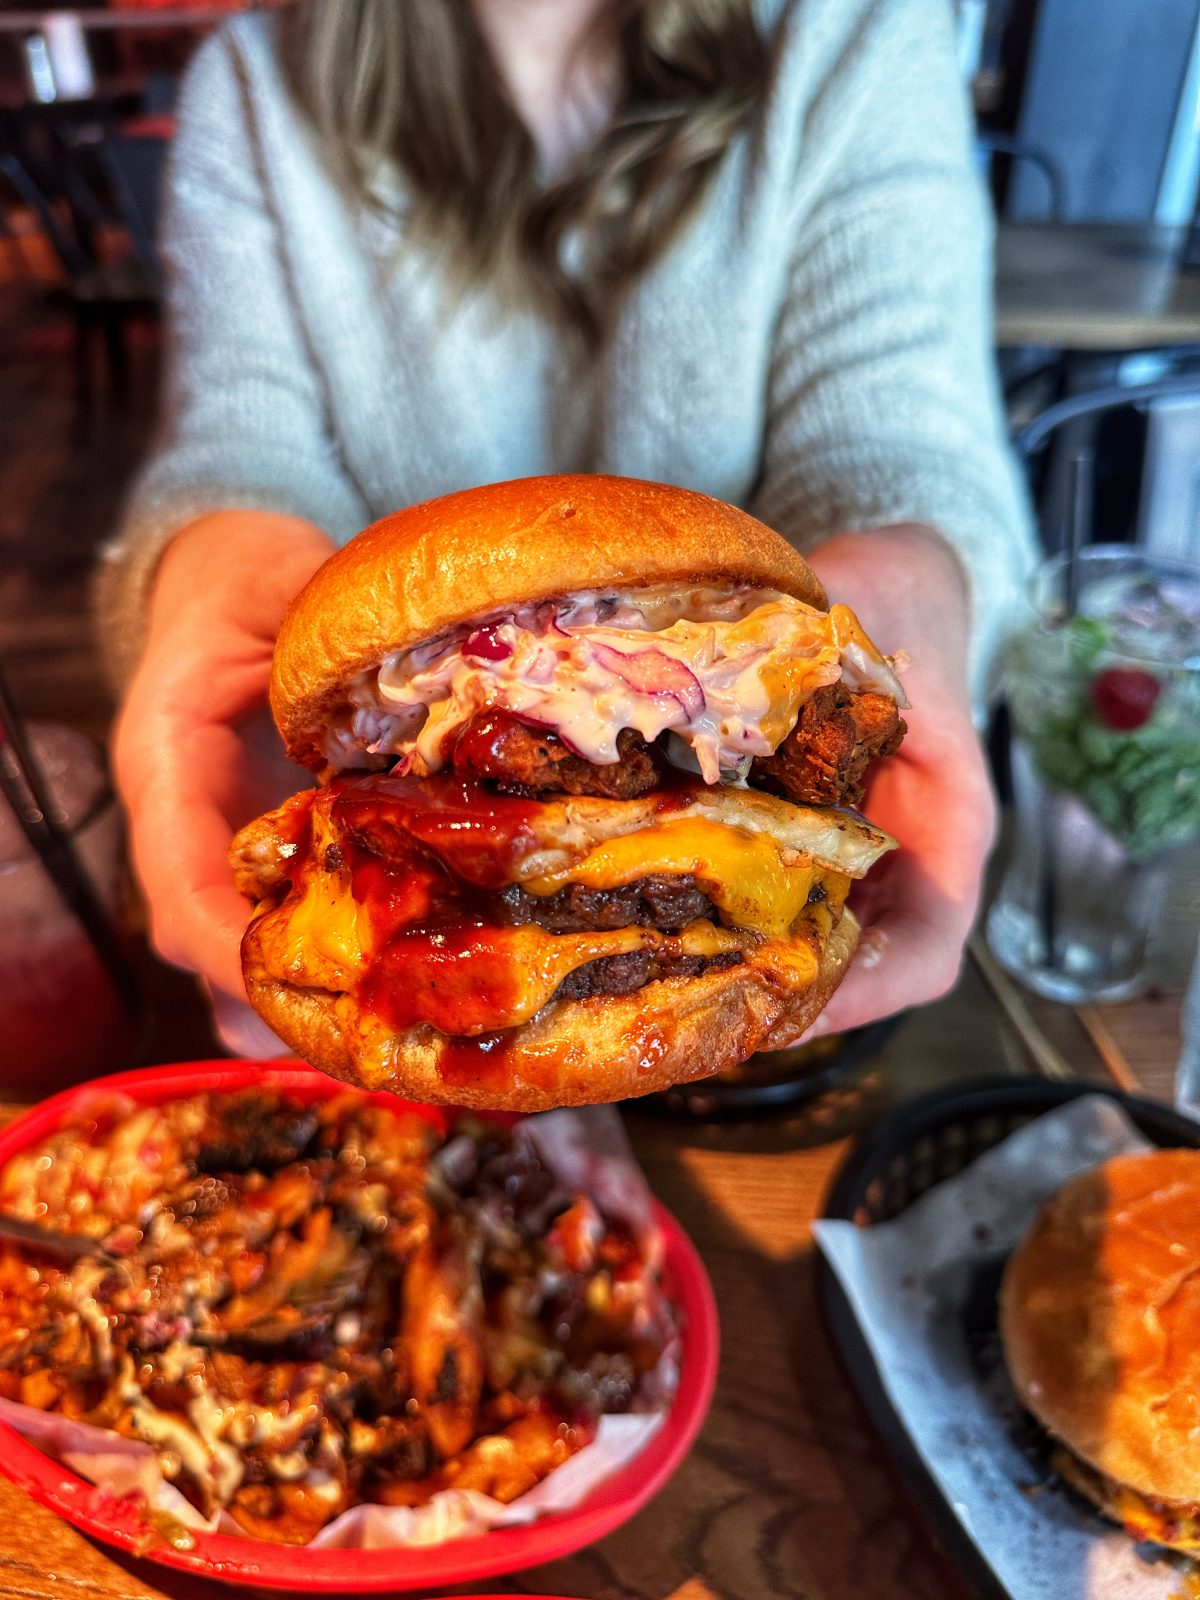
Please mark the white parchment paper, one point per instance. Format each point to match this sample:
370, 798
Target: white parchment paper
908, 1282
586, 1150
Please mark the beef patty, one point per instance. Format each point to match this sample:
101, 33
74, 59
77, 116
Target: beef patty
661, 902
822, 762
665, 903
623, 974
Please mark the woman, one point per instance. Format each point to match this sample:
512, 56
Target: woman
732, 245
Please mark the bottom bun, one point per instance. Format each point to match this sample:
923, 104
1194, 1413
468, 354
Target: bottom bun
573, 1052
1176, 1527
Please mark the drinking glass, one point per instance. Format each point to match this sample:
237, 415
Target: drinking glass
1103, 686
1187, 1072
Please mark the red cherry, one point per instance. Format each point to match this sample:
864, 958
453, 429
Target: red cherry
1124, 697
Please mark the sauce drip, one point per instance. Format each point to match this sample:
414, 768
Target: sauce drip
425, 857
482, 1063
476, 834
441, 958
458, 980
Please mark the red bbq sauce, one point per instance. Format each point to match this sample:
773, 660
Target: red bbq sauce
478, 835
425, 857
453, 978
482, 1063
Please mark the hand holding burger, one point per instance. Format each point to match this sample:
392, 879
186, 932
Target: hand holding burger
585, 747
934, 795
196, 753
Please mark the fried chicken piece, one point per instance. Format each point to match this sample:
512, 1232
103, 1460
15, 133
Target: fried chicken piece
442, 1340
524, 760
264, 850
824, 760
504, 1465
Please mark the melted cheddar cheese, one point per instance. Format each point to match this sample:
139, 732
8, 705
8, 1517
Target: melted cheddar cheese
480, 979
755, 883
320, 935
467, 978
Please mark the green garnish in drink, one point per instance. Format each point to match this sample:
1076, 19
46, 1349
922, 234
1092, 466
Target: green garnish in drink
1122, 734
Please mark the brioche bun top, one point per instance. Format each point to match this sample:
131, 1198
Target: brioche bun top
1100, 1317
424, 570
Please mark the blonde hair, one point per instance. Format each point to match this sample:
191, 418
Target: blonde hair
413, 82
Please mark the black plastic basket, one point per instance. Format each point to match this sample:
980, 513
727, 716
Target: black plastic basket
924, 1142
781, 1083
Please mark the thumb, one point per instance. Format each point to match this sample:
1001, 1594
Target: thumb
242, 1031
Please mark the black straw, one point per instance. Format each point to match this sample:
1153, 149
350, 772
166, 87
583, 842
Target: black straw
1079, 522
1079, 525
22, 782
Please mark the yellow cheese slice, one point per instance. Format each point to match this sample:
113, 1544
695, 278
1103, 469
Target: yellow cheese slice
755, 884
320, 935
500, 977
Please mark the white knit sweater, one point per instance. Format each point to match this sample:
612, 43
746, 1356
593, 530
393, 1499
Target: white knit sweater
815, 347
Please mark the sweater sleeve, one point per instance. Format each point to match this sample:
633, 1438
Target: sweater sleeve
883, 404
244, 417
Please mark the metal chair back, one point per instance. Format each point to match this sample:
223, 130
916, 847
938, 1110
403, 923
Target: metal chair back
991, 144
72, 256
134, 166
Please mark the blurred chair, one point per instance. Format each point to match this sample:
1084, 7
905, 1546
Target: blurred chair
103, 292
1016, 152
1036, 434
1169, 508
134, 166
1074, 419
1108, 91
1022, 371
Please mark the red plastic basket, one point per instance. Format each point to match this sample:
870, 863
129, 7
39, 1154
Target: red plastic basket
488, 1555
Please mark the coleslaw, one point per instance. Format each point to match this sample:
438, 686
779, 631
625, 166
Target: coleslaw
724, 670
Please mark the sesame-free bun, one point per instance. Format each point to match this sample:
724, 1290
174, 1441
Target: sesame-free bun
1100, 1318
419, 572
573, 1052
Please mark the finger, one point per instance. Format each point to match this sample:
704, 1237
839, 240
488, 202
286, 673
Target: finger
169, 709
901, 962
179, 787
910, 952
241, 1029
180, 849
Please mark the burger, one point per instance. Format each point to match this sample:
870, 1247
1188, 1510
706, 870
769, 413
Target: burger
1100, 1318
587, 751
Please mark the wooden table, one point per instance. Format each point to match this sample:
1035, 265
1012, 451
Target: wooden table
786, 1493
1094, 287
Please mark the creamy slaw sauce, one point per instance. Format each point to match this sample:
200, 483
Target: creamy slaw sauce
724, 670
